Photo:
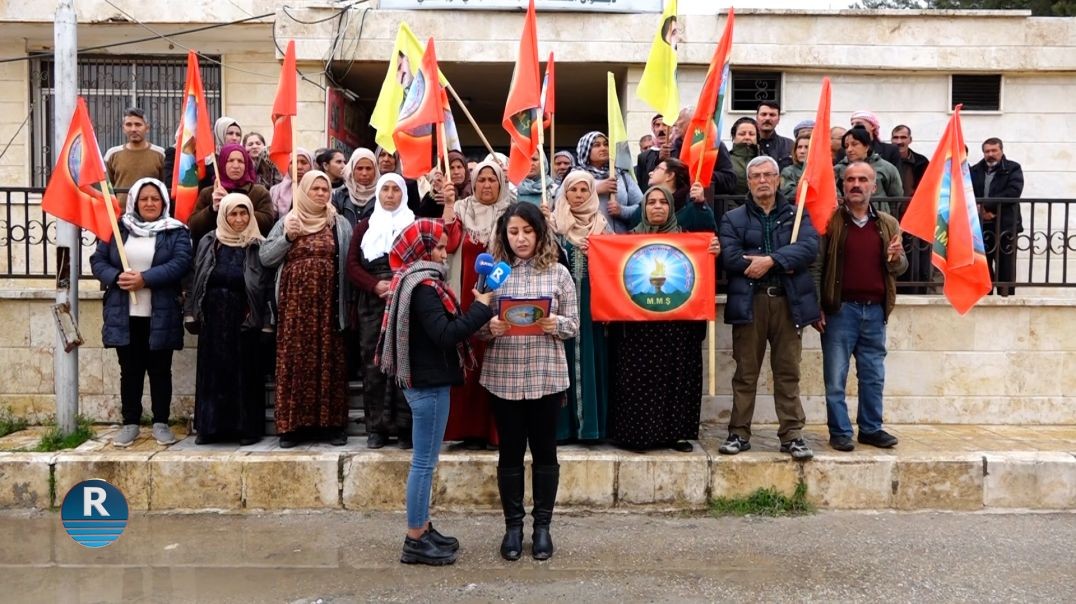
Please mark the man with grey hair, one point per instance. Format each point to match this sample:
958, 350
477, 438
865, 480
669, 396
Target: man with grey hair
771, 298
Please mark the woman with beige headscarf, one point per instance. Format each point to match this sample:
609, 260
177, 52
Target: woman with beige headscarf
355, 200
227, 307
470, 224
308, 248
576, 216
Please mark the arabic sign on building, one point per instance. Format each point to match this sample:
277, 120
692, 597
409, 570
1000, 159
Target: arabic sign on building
590, 6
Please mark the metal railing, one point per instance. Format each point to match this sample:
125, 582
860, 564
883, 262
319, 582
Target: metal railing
1044, 250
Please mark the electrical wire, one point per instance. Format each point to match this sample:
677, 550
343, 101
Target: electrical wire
13, 136
41, 55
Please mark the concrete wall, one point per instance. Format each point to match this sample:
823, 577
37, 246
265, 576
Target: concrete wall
1009, 361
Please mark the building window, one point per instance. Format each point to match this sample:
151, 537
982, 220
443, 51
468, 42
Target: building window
975, 92
749, 88
111, 84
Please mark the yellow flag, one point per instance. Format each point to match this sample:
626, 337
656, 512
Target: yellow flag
394, 88
619, 153
658, 87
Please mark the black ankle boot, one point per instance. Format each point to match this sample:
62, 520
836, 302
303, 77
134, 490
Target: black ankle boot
510, 485
544, 483
424, 551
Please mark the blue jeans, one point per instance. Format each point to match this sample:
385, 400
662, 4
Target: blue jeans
429, 416
855, 330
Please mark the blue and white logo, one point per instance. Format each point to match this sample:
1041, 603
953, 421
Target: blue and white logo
94, 513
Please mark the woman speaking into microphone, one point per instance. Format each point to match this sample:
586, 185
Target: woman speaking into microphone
528, 374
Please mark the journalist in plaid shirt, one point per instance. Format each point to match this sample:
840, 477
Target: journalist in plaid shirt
527, 375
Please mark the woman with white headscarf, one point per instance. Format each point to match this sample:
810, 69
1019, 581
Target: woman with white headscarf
227, 131
308, 248
386, 410
227, 307
470, 224
143, 320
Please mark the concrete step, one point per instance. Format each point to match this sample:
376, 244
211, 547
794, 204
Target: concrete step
356, 423
934, 467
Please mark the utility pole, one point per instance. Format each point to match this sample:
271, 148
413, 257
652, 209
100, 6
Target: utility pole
68, 236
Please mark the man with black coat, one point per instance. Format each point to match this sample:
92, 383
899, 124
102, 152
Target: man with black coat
997, 176
771, 298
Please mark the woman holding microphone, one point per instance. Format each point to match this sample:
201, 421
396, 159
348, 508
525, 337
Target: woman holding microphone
527, 375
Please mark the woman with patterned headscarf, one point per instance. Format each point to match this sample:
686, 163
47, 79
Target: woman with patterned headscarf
237, 175
355, 200
227, 307
574, 219
280, 193
656, 383
593, 155
470, 224
386, 411
142, 317
308, 248
424, 347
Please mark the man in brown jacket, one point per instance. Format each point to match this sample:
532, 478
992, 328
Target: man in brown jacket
859, 260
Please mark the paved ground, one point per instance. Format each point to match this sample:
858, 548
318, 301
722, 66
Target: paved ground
352, 557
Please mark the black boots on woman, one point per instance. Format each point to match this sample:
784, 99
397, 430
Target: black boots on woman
510, 485
544, 481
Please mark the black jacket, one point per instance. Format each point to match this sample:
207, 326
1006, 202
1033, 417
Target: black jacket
259, 282
345, 207
435, 332
1008, 182
171, 261
723, 181
777, 147
742, 233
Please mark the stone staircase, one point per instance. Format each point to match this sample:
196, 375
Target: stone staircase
356, 422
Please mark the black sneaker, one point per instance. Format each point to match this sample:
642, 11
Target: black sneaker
734, 444
842, 443
424, 551
797, 449
880, 439
338, 438
375, 441
444, 541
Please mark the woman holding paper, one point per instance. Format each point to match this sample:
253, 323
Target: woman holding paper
470, 225
657, 369
576, 217
142, 317
528, 374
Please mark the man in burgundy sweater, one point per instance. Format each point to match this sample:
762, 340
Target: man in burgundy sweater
859, 259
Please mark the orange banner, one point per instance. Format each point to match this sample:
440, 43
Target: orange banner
651, 277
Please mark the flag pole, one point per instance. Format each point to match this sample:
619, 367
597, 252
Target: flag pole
711, 336
698, 164
801, 197
294, 161
470, 117
444, 149
542, 159
552, 134
116, 236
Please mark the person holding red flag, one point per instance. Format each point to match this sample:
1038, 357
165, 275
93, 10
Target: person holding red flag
146, 327
237, 175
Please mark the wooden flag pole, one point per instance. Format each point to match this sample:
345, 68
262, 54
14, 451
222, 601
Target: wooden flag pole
470, 117
541, 161
120, 247
294, 162
444, 150
711, 336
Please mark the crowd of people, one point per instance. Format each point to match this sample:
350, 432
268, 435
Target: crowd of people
342, 268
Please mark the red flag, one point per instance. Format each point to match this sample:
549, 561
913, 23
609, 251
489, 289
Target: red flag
704, 132
651, 277
73, 193
524, 100
423, 108
284, 107
943, 213
817, 188
549, 105
194, 143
